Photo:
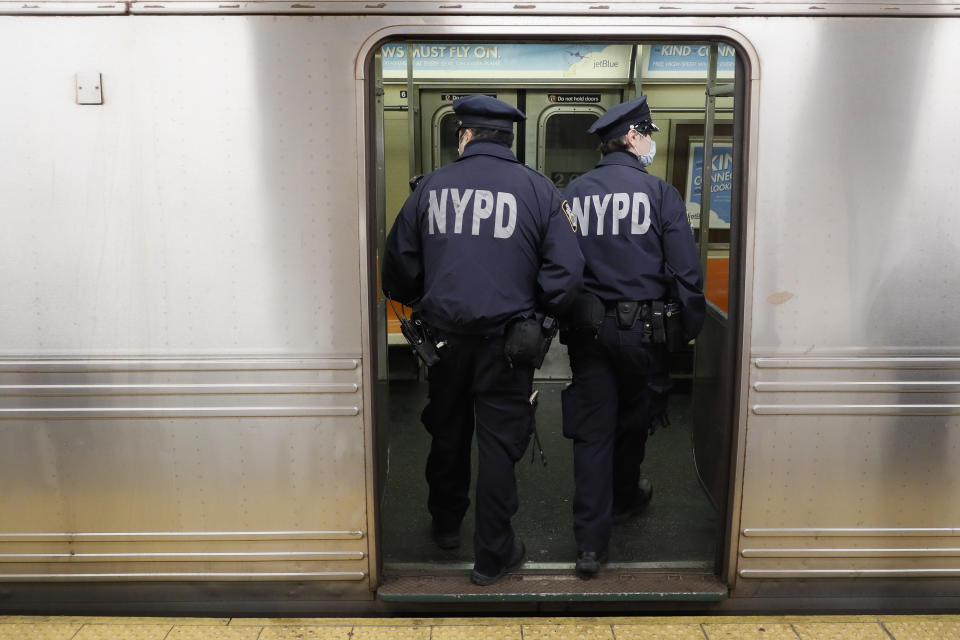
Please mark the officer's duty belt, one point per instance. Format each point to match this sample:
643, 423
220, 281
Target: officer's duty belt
649, 313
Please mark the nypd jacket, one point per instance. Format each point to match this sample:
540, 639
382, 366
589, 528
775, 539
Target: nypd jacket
482, 241
635, 237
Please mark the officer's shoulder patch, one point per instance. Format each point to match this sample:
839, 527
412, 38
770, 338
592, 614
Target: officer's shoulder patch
571, 218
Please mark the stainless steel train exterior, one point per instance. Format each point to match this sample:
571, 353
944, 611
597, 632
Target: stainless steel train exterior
187, 344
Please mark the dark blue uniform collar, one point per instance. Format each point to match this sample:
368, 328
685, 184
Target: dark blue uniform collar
488, 148
625, 158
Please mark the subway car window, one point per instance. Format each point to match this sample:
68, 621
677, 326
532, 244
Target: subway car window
447, 138
568, 149
562, 89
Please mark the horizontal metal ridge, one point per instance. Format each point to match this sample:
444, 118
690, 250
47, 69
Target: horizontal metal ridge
204, 556
849, 573
259, 388
181, 364
186, 575
551, 7
850, 553
63, 8
857, 363
806, 532
126, 536
858, 409
904, 386
177, 412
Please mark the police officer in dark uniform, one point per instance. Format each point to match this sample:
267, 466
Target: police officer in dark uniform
480, 243
640, 253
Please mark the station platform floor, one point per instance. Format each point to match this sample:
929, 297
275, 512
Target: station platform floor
861, 627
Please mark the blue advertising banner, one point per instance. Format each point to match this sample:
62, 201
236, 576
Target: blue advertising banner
720, 189
506, 60
686, 61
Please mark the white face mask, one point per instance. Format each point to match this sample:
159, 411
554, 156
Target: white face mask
647, 159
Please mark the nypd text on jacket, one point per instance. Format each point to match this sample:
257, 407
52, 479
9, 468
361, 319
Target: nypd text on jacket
480, 242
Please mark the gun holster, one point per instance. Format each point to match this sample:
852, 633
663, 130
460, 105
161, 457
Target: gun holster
586, 314
527, 340
673, 315
627, 312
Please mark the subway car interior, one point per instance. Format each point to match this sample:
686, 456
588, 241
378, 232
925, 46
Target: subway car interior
692, 88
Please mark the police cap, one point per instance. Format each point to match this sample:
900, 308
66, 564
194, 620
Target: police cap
487, 113
620, 119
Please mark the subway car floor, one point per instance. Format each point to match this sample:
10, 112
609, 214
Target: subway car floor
678, 531
860, 627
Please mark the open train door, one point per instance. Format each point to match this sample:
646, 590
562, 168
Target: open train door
670, 552
713, 205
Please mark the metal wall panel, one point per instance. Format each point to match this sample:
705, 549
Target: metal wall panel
204, 213
852, 468
212, 468
851, 445
204, 208
856, 237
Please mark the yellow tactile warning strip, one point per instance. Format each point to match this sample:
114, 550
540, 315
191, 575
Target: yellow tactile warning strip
749, 631
38, 631
575, 631
197, 632
942, 629
841, 630
478, 632
124, 631
861, 627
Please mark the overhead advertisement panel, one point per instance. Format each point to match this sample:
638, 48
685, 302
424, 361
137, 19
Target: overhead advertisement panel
474, 61
685, 62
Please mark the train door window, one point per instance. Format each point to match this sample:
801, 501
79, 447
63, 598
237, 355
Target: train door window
567, 150
445, 137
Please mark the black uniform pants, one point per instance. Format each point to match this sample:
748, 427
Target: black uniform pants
606, 412
473, 385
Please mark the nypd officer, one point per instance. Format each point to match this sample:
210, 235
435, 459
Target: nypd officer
640, 252
480, 243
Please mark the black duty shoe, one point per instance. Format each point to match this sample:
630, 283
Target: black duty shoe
446, 539
589, 562
516, 559
644, 494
